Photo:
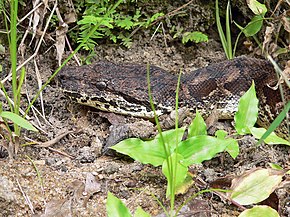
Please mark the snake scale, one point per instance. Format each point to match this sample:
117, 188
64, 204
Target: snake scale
123, 89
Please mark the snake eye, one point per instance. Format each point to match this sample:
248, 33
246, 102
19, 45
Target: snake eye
101, 85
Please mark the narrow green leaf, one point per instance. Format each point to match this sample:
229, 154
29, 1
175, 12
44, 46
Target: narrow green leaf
115, 207
228, 31
200, 148
275, 166
255, 186
197, 126
275, 123
179, 175
247, 113
272, 139
221, 31
16, 119
141, 213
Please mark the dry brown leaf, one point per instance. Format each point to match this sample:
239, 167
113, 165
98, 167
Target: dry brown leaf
58, 208
60, 41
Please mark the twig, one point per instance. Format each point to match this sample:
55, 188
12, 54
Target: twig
25, 197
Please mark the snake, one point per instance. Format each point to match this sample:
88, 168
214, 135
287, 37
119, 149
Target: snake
122, 88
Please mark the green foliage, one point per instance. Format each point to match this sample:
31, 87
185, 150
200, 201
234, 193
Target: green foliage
18, 120
275, 123
115, 27
195, 36
225, 39
247, 114
198, 126
258, 211
251, 29
115, 207
198, 147
255, 186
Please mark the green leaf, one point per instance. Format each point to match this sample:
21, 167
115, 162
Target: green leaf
194, 36
257, 7
247, 113
255, 186
141, 213
179, 175
152, 151
104, 21
197, 126
258, 211
115, 207
125, 23
200, 148
271, 139
275, 123
233, 148
254, 26
20, 121
221, 134
172, 137
275, 166
146, 152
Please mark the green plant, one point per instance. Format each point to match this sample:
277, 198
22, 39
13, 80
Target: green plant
16, 86
251, 29
115, 27
168, 149
17, 81
196, 37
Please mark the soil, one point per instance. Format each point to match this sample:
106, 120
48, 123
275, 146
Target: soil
72, 177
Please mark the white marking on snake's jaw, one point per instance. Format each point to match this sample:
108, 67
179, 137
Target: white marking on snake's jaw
117, 104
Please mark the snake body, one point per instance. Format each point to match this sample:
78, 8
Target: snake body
123, 89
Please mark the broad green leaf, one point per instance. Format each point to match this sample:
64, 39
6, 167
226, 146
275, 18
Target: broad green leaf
200, 148
254, 26
233, 147
180, 172
194, 36
247, 113
141, 213
152, 151
197, 126
255, 186
146, 152
272, 139
221, 134
20, 121
258, 211
115, 207
170, 137
257, 7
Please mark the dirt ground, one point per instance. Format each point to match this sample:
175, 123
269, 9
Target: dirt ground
72, 175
